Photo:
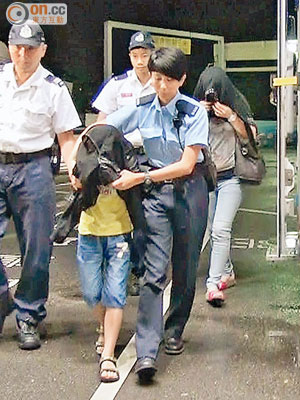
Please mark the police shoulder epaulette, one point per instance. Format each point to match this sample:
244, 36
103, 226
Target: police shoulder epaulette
145, 99
54, 79
186, 107
120, 77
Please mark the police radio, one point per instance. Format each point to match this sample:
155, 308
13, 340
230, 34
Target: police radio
178, 119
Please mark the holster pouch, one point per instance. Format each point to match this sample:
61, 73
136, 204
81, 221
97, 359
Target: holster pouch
55, 157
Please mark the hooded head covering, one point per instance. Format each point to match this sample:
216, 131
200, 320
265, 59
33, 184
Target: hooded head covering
217, 79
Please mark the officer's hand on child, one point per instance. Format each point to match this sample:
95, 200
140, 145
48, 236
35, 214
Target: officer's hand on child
127, 180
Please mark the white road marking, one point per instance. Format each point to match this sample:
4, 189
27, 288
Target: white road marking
12, 282
251, 244
258, 211
63, 184
62, 192
242, 243
10, 261
60, 204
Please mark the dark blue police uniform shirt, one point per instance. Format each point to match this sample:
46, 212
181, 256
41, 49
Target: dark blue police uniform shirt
156, 124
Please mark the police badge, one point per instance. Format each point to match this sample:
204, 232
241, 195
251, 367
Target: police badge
25, 32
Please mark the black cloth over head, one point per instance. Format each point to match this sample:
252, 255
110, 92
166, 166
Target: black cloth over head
217, 79
101, 156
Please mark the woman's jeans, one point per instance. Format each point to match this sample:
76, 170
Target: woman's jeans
223, 205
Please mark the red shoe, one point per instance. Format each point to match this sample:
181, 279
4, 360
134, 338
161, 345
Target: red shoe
215, 298
227, 281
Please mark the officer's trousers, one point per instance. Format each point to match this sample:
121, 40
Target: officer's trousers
176, 216
27, 193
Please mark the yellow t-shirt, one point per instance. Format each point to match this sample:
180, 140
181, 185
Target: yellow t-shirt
108, 217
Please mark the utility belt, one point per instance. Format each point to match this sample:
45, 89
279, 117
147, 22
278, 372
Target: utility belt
178, 183
17, 158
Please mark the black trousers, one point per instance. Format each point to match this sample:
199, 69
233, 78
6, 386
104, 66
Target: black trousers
176, 217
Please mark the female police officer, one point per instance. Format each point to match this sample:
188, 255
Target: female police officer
173, 128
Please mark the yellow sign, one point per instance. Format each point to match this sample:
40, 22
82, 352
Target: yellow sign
167, 41
290, 80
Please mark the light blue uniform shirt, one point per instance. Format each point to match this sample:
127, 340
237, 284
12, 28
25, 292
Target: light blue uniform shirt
160, 137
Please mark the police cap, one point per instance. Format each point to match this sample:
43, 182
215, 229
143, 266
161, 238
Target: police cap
30, 33
141, 39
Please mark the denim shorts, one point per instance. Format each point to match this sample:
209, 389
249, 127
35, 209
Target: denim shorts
103, 264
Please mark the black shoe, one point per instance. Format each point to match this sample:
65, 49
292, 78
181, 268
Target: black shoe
174, 345
28, 335
145, 368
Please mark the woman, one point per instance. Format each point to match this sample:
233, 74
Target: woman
175, 205
229, 116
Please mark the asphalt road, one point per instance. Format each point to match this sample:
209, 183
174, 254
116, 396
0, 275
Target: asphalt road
247, 350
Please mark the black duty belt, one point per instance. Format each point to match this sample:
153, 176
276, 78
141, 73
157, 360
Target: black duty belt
17, 158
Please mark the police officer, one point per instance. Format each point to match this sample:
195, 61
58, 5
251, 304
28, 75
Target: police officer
174, 127
123, 90
34, 106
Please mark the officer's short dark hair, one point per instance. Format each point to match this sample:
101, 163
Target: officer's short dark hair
168, 61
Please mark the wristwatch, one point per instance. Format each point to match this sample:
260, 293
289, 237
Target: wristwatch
232, 117
147, 178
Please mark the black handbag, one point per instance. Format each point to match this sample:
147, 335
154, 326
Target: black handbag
249, 163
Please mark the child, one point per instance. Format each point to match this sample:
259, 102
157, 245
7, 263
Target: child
103, 255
